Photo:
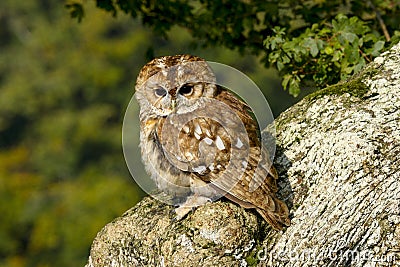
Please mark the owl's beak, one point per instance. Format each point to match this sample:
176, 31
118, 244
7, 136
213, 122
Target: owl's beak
173, 104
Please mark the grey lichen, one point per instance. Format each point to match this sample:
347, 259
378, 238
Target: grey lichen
338, 157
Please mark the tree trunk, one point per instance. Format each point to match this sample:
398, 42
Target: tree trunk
338, 158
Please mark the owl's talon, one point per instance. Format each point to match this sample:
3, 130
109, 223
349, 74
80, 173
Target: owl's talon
175, 217
190, 204
181, 212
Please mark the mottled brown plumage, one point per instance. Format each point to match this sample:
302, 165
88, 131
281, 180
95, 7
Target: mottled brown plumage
198, 140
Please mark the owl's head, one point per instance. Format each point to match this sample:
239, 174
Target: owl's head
174, 84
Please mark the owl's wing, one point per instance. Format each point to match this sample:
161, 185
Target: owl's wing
251, 182
257, 185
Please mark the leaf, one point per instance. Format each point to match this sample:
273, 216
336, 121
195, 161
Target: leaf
349, 36
377, 48
360, 42
76, 11
294, 86
359, 66
273, 44
352, 54
314, 50
348, 69
107, 5
328, 50
312, 45
285, 81
321, 44
286, 59
335, 25
280, 65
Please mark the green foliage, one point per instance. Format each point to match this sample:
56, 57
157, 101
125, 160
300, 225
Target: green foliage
312, 42
324, 53
63, 92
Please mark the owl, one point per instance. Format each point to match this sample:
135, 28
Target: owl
200, 142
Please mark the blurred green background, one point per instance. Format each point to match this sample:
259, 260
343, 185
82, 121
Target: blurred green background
64, 88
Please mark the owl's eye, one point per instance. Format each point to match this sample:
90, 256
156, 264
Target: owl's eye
186, 89
160, 92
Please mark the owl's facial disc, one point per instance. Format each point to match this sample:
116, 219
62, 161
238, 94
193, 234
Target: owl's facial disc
176, 88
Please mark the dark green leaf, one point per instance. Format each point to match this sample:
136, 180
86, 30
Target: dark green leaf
76, 11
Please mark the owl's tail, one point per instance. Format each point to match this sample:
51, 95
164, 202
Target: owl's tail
276, 215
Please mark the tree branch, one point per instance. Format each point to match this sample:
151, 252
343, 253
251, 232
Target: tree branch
381, 22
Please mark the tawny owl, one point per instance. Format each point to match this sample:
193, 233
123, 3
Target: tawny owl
199, 141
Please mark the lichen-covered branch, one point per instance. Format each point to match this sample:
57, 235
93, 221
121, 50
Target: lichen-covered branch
338, 157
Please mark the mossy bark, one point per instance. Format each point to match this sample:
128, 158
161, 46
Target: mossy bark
338, 157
